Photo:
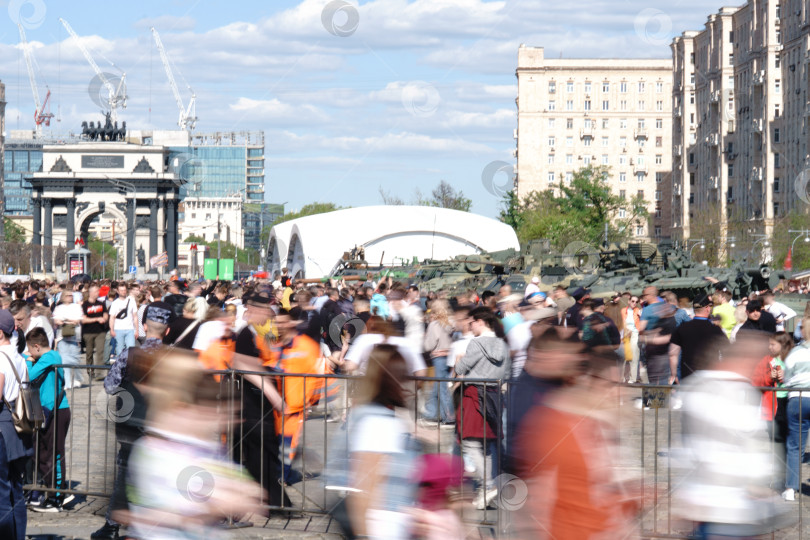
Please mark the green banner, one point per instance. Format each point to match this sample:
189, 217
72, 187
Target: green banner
226, 269
210, 269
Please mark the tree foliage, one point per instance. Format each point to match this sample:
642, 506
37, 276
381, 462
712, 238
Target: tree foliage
575, 211
308, 210
13, 232
443, 196
246, 256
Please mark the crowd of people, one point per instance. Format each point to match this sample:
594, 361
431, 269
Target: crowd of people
526, 385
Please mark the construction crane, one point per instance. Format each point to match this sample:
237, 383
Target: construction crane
188, 115
116, 96
42, 114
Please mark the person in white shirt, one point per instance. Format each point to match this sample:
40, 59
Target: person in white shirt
123, 318
68, 320
780, 311
532, 287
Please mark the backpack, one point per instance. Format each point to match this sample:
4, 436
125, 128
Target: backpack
27, 413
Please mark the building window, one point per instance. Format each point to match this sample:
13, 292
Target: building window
777, 86
659, 87
605, 141
658, 229
623, 105
659, 159
659, 142
641, 124
640, 194
569, 86
622, 159
659, 123
776, 135
587, 87
552, 87
691, 179
776, 110
605, 87
550, 178
586, 160
623, 142
587, 104
622, 194
552, 122
550, 159
623, 123
589, 123
207, 217
569, 177
640, 177
605, 123
641, 105
731, 59
587, 141
639, 230
730, 170
657, 195
776, 185
776, 209
569, 105
659, 105
622, 177
692, 98
569, 159
569, 142
552, 105
641, 87
659, 177
622, 213
623, 87
605, 159
605, 105
193, 215
551, 141
777, 161
569, 123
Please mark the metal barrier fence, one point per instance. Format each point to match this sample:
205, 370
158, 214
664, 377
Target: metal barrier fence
647, 437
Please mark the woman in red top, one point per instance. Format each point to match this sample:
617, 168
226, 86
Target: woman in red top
770, 372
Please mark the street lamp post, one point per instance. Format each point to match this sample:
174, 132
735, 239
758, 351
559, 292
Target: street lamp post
802, 232
697, 242
760, 238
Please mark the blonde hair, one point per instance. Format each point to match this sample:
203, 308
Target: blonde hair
740, 314
440, 311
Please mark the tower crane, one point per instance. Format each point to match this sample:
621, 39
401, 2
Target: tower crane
116, 95
42, 115
188, 115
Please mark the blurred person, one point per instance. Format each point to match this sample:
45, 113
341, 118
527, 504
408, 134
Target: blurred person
26, 321
379, 303
215, 325
797, 332
740, 317
126, 382
175, 298
489, 300
781, 313
561, 298
631, 316
94, 328
598, 331
142, 300
15, 449
532, 287
123, 319
685, 304
438, 341
181, 445
410, 312
695, 342
50, 381
183, 331
681, 316
68, 320
378, 331
726, 454
381, 456
487, 357
566, 444
573, 316
656, 350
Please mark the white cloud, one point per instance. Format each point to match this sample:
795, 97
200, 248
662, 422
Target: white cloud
169, 23
274, 111
499, 118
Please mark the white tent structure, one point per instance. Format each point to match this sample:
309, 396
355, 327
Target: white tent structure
311, 246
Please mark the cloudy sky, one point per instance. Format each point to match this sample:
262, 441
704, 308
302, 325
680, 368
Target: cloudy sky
353, 97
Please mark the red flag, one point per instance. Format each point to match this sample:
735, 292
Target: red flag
789, 259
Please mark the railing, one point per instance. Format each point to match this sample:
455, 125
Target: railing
647, 436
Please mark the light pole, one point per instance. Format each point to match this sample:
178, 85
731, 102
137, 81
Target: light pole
760, 238
697, 242
802, 232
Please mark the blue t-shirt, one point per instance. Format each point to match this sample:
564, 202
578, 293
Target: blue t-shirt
652, 314
41, 374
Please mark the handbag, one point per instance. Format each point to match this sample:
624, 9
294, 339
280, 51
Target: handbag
121, 315
68, 330
27, 413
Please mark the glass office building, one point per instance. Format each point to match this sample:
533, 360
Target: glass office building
23, 157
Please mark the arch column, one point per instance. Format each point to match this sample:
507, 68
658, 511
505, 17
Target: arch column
70, 225
130, 258
171, 232
153, 227
48, 208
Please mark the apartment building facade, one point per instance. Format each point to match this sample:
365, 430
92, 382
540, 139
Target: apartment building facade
578, 112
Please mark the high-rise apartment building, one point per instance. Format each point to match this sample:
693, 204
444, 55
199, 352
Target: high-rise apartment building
735, 149
578, 112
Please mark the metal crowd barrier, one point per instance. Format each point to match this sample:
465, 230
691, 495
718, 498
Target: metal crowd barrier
647, 436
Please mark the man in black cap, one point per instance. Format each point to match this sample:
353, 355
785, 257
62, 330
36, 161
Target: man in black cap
759, 319
573, 317
695, 342
156, 319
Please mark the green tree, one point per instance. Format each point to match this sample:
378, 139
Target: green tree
445, 196
577, 211
308, 210
782, 240
101, 251
13, 232
247, 258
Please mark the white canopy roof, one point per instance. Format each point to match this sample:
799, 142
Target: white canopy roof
311, 246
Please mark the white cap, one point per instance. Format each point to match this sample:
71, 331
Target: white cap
536, 279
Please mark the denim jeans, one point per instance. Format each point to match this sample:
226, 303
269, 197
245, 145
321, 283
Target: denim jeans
13, 515
69, 350
124, 339
439, 394
796, 427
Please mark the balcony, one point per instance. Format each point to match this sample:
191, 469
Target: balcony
678, 150
756, 125
677, 190
730, 127
807, 109
759, 78
714, 182
640, 133
678, 112
586, 132
640, 168
757, 174
714, 97
713, 139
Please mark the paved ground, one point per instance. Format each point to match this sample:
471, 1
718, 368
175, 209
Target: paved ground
644, 434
